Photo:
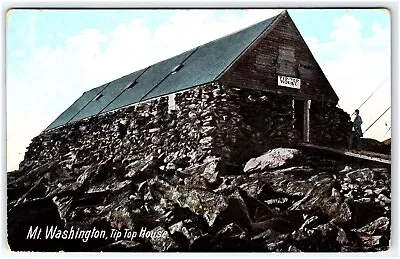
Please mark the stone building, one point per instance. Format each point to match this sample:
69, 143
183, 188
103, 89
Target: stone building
234, 98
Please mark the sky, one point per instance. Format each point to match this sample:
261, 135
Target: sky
53, 56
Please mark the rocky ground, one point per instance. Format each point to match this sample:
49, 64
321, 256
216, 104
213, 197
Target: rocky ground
283, 201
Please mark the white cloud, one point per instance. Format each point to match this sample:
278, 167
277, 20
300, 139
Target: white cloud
347, 32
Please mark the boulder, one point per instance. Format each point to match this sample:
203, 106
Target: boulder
274, 158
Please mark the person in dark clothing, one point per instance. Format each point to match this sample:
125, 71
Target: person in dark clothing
357, 133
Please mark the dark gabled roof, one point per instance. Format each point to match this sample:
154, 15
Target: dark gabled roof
198, 66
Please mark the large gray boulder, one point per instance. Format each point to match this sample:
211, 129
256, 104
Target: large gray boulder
274, 158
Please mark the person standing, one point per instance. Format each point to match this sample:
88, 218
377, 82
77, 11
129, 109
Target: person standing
357, 133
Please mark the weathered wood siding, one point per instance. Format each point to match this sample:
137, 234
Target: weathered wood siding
280, 51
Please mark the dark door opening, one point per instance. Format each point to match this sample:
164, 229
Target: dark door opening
298, 118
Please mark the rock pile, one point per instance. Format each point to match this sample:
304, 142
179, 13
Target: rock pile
302, 203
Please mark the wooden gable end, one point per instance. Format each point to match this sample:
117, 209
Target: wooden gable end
280, 51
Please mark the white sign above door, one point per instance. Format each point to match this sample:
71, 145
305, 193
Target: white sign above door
287, 81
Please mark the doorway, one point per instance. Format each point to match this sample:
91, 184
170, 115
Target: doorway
301, 119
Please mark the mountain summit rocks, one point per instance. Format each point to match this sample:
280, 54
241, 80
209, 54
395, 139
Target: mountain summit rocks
290, 203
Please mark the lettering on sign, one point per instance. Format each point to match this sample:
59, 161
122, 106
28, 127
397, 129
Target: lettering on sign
289, 81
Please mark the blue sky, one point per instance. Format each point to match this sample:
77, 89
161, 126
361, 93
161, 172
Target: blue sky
53, 56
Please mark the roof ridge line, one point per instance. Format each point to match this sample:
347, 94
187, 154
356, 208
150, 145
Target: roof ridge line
243, 29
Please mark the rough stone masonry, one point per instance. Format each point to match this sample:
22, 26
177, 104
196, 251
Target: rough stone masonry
185, 173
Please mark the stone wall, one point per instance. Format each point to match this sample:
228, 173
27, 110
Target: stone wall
213, 120
251, 122
329, 125
210, 121
147, 129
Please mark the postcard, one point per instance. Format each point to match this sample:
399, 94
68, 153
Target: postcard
198, 130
